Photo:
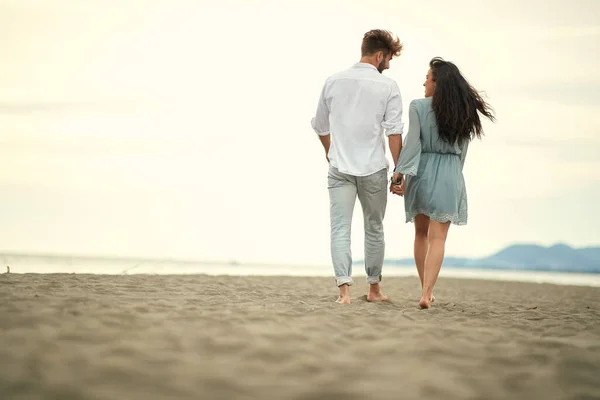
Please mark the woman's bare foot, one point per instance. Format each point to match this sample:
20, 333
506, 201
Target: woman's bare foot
343, 300
432, 298
375, 294
425, 303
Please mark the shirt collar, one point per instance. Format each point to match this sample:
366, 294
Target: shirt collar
364, 65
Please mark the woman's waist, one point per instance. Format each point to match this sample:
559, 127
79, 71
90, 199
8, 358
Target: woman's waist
438, 153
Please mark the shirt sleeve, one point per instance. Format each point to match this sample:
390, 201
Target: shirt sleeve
410, 155
320, 122
392, 119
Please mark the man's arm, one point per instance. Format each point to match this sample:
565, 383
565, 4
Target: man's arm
395, 143
392, 122
326, 141
320, 123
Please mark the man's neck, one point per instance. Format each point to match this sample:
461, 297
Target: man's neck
368, 60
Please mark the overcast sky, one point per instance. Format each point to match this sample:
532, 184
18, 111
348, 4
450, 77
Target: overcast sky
172, 128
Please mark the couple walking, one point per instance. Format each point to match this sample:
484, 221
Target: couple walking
357, 107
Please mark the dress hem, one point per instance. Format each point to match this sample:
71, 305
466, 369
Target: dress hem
443, 218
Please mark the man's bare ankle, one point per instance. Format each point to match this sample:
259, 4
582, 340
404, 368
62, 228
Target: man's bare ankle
344, 290
374, 287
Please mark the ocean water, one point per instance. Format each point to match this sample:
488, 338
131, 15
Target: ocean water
131, 267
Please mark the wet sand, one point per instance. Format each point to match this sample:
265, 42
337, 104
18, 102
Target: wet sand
199, 337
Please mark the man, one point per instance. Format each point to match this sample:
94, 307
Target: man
357, 106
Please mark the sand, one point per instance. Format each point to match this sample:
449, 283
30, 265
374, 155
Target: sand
199, 337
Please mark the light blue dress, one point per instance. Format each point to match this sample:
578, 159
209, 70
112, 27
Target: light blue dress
435, 185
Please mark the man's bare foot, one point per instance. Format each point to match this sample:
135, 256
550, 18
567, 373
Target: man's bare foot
376, 297
344, 297
343, 300
425, 303
375, 294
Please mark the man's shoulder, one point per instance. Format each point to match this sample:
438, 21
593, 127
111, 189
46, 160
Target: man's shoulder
368, 76
343, 74
388, 84
386, 79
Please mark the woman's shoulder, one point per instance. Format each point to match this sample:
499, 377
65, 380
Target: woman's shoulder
422, 102
421, 106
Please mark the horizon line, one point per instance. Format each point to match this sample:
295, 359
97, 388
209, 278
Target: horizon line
5, 253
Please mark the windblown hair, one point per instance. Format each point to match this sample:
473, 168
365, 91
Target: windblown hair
456, 103
380, 40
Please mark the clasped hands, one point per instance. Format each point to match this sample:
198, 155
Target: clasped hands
397, 184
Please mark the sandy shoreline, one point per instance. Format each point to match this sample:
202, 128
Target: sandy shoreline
205, 337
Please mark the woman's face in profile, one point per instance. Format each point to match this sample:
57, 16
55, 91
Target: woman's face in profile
429, 84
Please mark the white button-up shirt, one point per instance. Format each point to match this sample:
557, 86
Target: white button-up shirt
357, 106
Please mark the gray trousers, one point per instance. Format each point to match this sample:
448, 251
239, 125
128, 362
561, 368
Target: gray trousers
372, 194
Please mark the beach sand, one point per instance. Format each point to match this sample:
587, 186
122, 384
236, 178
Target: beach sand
127, 337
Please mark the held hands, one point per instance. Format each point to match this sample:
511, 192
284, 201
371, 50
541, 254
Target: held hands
397, 184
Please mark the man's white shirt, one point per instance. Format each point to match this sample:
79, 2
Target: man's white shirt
358, 106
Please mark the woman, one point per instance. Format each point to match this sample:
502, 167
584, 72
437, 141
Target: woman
429, 170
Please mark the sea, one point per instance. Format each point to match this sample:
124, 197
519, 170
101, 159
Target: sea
75, 265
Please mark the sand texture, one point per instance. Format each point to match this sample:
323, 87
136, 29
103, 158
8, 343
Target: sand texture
132, 337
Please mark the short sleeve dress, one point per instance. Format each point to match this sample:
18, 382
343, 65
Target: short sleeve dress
435, 185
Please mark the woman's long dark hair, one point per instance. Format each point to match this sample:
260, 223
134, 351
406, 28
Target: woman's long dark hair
456, 103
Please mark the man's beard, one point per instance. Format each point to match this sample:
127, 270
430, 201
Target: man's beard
381, 67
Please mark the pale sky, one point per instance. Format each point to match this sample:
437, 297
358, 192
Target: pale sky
176, 128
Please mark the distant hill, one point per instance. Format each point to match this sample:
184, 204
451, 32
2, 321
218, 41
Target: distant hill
531, 257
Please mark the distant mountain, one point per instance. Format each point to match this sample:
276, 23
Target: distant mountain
531, 257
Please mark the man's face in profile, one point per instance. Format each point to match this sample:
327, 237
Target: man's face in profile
384, 63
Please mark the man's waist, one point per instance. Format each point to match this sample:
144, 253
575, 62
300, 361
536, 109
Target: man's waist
358, 169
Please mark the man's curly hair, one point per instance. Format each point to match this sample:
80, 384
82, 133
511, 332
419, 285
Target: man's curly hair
380, 40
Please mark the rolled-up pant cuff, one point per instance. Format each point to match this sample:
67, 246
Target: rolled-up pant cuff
371, 280
344, 280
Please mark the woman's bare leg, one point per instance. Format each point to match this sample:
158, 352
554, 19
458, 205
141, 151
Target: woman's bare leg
433, 261
421, 244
